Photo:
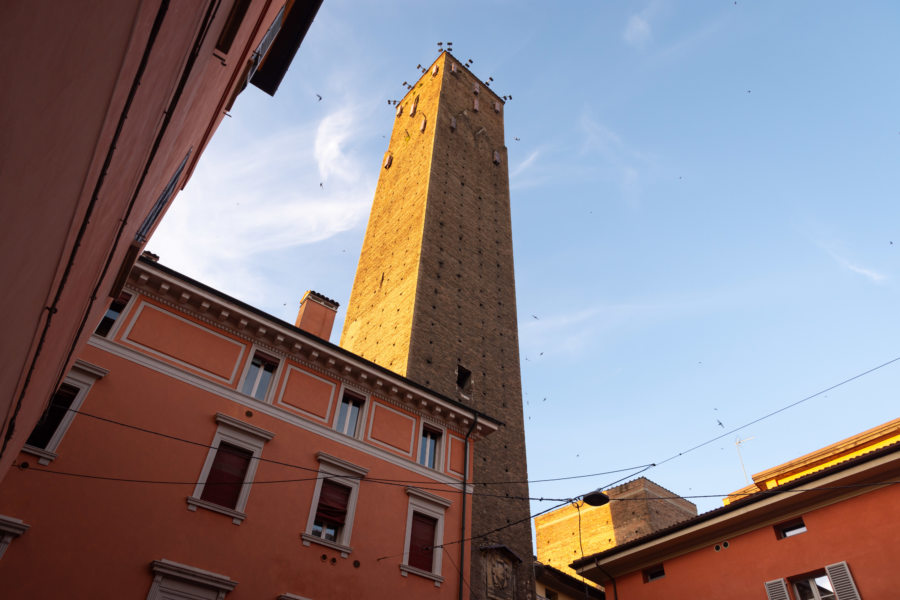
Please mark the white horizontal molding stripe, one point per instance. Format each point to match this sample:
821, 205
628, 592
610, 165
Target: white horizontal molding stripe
242, 348
199, 382
292, 336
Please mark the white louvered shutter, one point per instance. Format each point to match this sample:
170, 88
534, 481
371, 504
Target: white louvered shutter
844, 588
777, 590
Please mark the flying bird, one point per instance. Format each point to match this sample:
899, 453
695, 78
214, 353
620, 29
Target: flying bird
515, 138
321, 185
319, 97
535, 316
720, 424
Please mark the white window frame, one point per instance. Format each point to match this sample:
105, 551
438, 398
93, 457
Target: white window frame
172, 579
838, 575
433, 506
82, 376
10, 529
344, 473
245, 436
276, 374
439, 449
117, 323
811, 580
361, 418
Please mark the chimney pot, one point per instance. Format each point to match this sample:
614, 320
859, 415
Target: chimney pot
316, 314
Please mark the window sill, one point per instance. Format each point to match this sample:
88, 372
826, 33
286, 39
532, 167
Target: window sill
311, 539
406, 569
45, 457
237, 517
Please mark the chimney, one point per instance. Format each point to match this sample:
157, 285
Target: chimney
316, 314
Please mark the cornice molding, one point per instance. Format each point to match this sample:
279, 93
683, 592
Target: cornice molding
273, 337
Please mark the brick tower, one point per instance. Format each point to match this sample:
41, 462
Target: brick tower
434, 295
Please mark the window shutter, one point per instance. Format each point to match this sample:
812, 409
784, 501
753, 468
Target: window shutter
226, 476
844, 588
421, 542
333, 501
777, 590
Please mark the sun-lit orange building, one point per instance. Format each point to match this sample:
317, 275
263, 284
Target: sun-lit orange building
199, 448
106, 108
821, 527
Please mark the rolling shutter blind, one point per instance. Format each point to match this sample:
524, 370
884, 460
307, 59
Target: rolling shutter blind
421, 542
226, 476
777, 590
844, 588
333, 502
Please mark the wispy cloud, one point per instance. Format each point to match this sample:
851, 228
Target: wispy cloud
526, 164
273, 193
638, 30
575, 332
870, 274
628, 165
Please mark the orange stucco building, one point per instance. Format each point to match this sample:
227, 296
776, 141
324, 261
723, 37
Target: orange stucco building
201, 447
107, 107
824, 527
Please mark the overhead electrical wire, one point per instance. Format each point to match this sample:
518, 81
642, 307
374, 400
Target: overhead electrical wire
649, 465
780, 410
314, 470
452, 486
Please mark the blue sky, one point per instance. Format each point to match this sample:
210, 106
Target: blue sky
705, 214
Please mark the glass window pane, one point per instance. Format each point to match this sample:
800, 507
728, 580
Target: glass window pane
252, 376
53, 416
354, 419
823, 586
265, 376
342, 416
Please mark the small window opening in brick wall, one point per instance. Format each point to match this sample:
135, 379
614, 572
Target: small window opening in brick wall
452, 123
476, 89
434, 70
453, 68
415, 105
388, 160
475, 104
399, 109
496, 157
790, 528
496, 107
424, 122
653, 573
463, 380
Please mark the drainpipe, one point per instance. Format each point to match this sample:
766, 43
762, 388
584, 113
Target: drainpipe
70, 263
462, 535
611, 578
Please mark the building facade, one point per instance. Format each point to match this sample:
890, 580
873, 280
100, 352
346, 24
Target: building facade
633, 512
200, 448
827, 531
434, 293
553, 584
113, 104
